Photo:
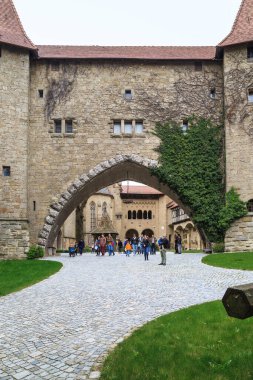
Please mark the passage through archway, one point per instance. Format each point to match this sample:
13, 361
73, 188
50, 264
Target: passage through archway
119, 168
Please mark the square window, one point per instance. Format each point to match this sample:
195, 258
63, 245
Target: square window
55, 66
212, 93
250, 52
128, 128
250, 95
57, 126
128, 95
117, 128
41, 93
198, 66
68, 126
139, 127
185, 126
6, 171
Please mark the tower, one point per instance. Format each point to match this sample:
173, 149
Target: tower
15, 48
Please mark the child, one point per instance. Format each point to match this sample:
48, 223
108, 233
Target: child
128, 248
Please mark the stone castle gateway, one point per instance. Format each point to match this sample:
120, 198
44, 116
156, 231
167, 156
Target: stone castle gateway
77, 118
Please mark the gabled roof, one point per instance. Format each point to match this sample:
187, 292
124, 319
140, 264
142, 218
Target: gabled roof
11, 29
127, 52
242, 30
143, 190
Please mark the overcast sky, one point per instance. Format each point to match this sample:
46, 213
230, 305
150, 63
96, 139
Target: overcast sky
131, 22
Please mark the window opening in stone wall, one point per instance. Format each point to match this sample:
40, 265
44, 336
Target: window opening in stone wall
55, 66
139, 127
0, 51
128, 95
198, 66
134, 214
41, 93
250, 205
57, 126
68, 126
128, 128
185, 126
104, 208
139, 214
6, 171
129, 214
213, 93
149, 214
34, 205
250, 52
117, 127
92, 216
250, 95
145, 215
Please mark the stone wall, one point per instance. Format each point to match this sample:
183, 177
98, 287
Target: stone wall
238, 78
239, 237
91, 94
14, 102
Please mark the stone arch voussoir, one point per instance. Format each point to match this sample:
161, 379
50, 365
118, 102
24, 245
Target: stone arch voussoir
61, 201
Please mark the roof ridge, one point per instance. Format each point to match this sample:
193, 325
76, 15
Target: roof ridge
20, 23
129, 46
11, 29
234, 23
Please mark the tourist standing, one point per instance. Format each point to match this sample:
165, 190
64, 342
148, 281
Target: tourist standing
110, 244
134, 242
153, 245
128, 248
162, 247
145, 247
81, 246
102, 244
179, 244
120, 245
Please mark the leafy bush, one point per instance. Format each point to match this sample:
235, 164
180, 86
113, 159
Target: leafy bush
87, 249
35, 252
218, 248
234, 209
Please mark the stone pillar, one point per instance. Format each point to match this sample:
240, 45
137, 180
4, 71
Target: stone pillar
14, 238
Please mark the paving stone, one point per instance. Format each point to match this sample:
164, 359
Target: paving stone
93, 304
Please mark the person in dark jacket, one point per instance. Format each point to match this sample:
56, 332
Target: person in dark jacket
81, 246
145, 247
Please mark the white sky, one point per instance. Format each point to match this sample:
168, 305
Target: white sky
131, 22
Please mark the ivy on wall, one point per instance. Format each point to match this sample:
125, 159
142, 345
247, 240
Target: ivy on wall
192, 164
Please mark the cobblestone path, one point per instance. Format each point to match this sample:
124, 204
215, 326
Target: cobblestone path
61, 327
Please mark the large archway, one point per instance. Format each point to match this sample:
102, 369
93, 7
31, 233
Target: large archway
119, 168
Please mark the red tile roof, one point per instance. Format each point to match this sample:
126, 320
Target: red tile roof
11, 29
242, 30
128, 52
147, 190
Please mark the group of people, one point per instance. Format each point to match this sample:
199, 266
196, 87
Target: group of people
137, 245
104, 244
76, 248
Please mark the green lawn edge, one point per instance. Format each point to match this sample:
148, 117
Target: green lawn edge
16, 275
234, 260
199, 342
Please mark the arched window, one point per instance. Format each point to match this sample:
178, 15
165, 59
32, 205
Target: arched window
139, 214
129, 214
150, 214
93, 222
134, 214
145, 215
104, 208
250, 205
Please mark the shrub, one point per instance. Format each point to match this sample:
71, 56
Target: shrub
87, 249
218, 247
35, 252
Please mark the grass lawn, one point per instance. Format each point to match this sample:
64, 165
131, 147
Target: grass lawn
197, 343
235, 260
18, 274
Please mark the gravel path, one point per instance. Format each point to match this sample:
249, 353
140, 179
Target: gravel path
62, 327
